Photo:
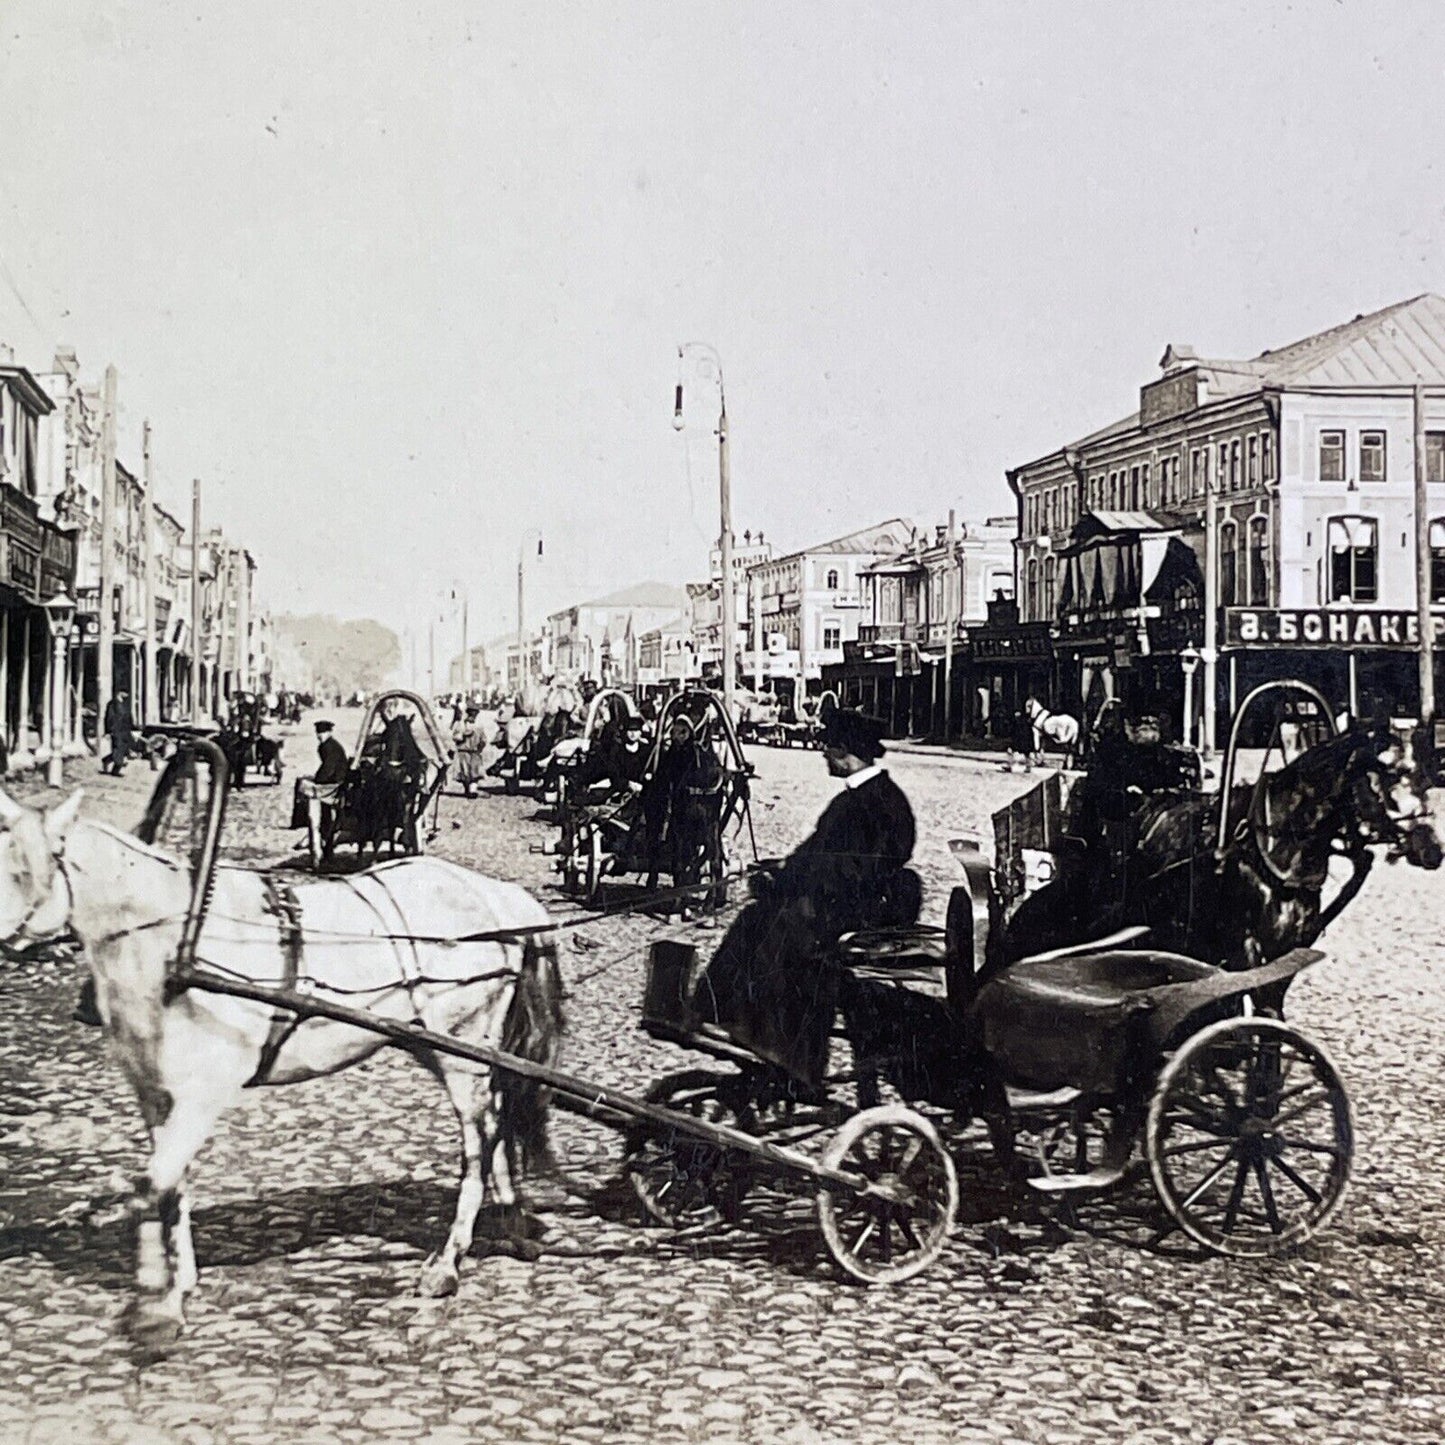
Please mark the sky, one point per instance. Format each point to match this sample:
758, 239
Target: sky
404, 284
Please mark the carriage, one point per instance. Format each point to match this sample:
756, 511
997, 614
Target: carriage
243, 739
397, 773
621, 833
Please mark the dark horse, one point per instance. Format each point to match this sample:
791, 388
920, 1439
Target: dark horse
1260, 894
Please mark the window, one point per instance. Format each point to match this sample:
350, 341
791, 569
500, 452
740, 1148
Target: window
1435, 456
1033, 590
1269, 456
832, 583
1196, 473
1332, 456
1437, 560
1353, 559
1144, 486
1049, 573
1133, 504
832, 636
1227, 564
1234, 477
1258, 562
1252, 472
1372, 456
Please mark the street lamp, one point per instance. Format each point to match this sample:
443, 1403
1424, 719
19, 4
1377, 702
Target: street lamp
523, 661
725, 540
59, 614
1189, 660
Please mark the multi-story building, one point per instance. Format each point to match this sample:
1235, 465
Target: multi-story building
579, 632
911, 663
807, 604
1261, 511
665, 656
705, 604
37, 561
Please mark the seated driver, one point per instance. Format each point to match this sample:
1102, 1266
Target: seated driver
769, 984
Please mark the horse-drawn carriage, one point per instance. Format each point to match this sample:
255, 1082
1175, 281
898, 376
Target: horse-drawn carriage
681, 812
243, 740
1077, 1059
396, 774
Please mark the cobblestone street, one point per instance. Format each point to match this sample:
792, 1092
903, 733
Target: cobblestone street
316, 1204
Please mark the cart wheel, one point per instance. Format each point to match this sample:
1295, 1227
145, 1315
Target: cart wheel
1249, 1137
595, 865
891, 1234
681, 1181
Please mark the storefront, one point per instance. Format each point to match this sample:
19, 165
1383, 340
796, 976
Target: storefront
1011, 661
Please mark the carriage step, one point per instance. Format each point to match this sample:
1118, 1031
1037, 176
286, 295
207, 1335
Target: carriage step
1100, 1178
1024, 1101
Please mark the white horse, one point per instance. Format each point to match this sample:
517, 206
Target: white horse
382, 939
1051, 727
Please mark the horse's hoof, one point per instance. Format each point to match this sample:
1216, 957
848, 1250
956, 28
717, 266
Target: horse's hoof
151, 1326
438, 1280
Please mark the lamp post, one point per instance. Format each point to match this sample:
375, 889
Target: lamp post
1189, 659
725, 540
523, 661
60, 614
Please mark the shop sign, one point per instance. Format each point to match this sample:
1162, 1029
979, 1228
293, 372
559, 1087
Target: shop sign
22, 568
1353, 628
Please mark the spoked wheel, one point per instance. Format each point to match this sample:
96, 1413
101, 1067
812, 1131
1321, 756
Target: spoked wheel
901, 1223
1249, 1137
685, 1182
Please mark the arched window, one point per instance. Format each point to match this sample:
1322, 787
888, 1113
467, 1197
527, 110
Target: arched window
1227, 564
1033, 590
1258, 562
832, 583
1050, 570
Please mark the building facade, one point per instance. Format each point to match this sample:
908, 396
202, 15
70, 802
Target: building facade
705, 604
585, 634
1251, 520
808, 604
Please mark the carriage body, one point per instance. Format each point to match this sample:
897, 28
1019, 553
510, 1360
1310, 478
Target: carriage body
392, 781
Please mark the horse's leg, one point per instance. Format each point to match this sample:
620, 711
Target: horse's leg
165, 1263
472, 1096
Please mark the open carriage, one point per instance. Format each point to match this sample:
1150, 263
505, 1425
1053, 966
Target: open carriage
660, 823
397, 773
243, 740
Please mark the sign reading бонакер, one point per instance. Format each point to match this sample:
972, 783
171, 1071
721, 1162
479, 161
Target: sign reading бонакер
1326, 627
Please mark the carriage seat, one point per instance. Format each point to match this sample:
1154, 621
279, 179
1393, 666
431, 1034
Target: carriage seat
916, 955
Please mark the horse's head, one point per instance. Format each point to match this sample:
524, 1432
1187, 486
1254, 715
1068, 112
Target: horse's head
1386, 787
34, 896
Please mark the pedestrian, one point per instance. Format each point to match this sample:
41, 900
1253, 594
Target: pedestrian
317, 797
120, 728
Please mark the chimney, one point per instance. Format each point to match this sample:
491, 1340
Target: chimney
66, 361
940, 534
7, 354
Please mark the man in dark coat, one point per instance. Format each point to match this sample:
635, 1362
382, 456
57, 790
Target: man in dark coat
770, 983
120, 728
314, 806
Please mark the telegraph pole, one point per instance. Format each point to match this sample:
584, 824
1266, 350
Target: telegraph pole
196, 600
151, 712
953, 585
1422, 566
105, 643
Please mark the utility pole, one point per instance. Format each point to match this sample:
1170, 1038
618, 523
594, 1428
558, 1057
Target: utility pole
151, 712
223, 607
755, 605
105, 643
1422, 566
1210, 651
466, 656
196, 601
431, 658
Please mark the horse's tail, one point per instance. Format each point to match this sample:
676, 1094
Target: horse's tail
532, 1031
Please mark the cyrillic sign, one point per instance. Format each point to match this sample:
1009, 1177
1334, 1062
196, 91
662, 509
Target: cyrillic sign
1356, 627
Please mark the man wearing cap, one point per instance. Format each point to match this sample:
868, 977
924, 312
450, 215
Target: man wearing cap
769, 984
119, 727
316, 798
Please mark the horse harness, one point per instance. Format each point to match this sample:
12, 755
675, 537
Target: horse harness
281, 900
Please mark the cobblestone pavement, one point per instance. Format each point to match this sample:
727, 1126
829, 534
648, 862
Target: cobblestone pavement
316, 1204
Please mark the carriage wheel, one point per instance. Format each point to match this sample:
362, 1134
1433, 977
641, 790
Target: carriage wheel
900, 1226
1249, 1137
594, 866
681, 1181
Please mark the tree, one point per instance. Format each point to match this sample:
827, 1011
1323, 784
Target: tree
334, 658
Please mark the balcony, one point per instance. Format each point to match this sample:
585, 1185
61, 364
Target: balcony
891, 632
